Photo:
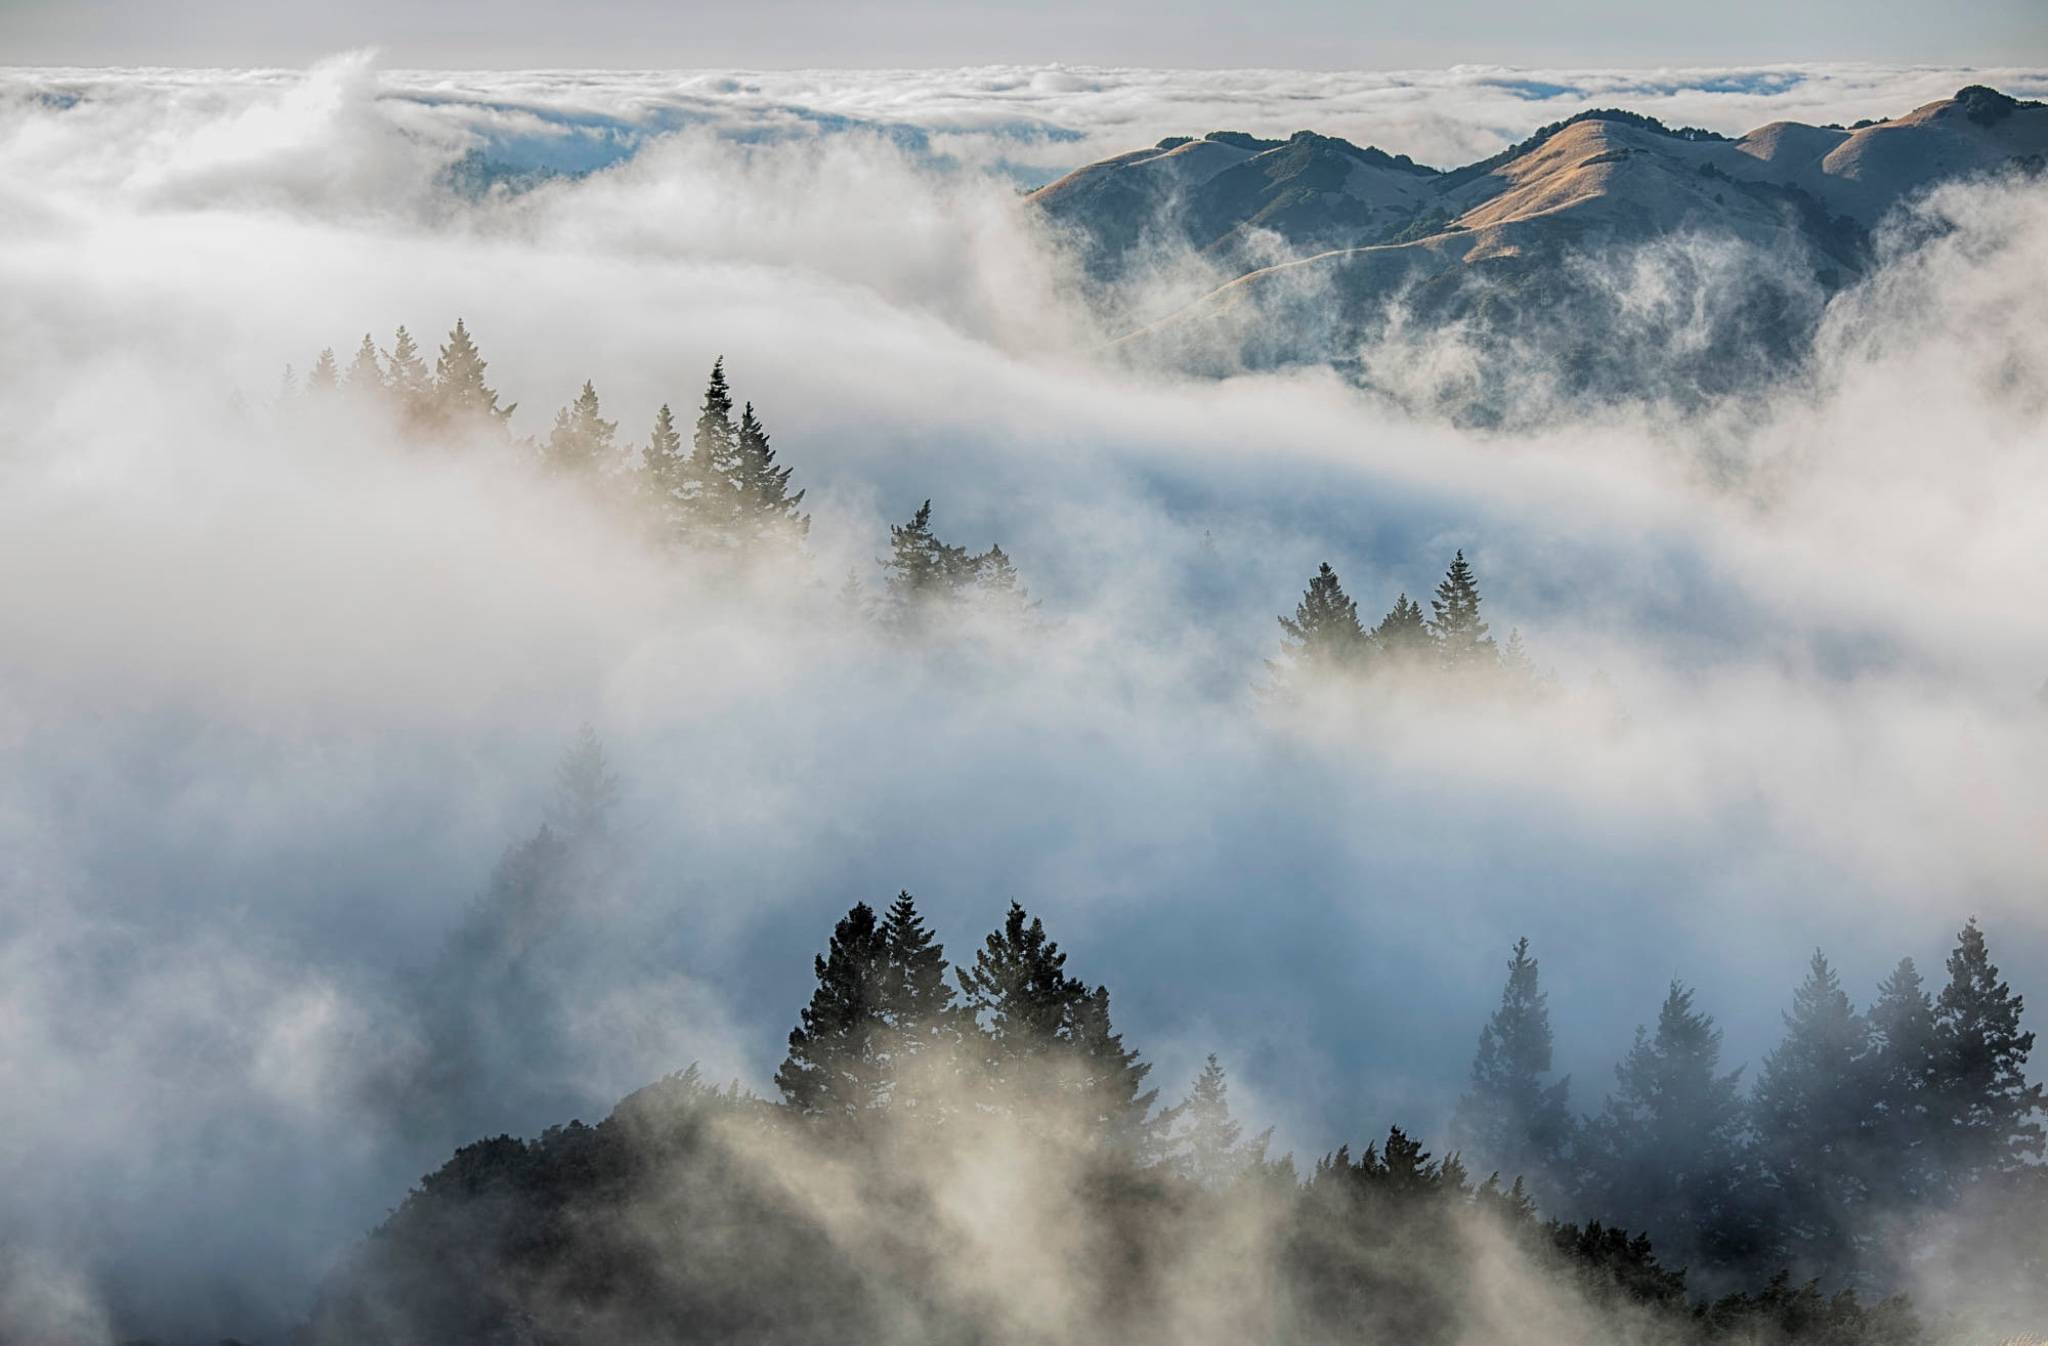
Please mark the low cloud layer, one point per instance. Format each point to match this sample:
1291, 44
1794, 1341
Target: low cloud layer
272, 702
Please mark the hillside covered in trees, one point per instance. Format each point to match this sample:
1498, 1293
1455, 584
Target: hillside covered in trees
974, 1152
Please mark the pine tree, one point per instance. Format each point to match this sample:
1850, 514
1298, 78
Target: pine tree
365, 375
1108, 1082
1323, 637
409, 380
326, 376
1461, 639
1209, 1144
460, 397
921, 569
1514, 661
924, 1023
1664, 1153
837, 1064
662, 470
1809, 1108
711, 476
1513, 1120
581, 443
1402, 638
586, 788
769, 511
1985, 1108
1900, 1164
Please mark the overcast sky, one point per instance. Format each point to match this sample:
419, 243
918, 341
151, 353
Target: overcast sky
779, 33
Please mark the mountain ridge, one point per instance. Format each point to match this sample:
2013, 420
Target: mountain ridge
1314, 238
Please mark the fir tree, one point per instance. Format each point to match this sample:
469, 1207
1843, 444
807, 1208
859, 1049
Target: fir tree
920, 568
1461, 638
1402, 638
1900, 1163
768, 509
365, 375
1513, 1119
1108, 1081
1809, 1108
1985, 1108
409, 380
711, 477
586, 788
326, 376
1664, 1153
837, 1063
1209, 1144
460, 395
996, 581
581, 443
1323, 637
662, 470
924, 1022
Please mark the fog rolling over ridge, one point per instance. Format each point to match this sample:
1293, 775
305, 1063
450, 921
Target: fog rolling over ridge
285, 683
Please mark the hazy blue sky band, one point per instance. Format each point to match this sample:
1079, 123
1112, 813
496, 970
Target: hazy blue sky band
1310, 34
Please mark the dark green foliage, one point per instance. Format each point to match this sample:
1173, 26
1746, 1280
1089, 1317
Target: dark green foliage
1985, 1109
1902, 1157
711, 473
1208, 1144
1514, 1119
1323, 638
1665, 1152
925, 578
1809, 1109
767, 508
1403, 634
1462, 642
662, 476
837, 1065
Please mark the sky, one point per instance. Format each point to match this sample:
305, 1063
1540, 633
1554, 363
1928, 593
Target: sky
278, 698
773, 34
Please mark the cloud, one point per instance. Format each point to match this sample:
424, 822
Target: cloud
274, 698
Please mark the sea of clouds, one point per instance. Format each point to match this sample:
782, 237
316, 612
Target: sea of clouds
272, 703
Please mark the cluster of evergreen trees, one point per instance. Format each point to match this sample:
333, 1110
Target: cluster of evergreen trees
1859, 1122
722, 487
915, 1095
1325, 638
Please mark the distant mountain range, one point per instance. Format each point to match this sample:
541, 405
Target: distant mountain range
1324, 243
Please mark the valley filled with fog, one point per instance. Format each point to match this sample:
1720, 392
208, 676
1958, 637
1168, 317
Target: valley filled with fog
280, 682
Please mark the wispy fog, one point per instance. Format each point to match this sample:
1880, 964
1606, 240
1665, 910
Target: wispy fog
275, 696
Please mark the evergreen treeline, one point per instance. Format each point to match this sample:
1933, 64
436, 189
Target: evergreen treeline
974, 1153
1325, 639
1861, 1128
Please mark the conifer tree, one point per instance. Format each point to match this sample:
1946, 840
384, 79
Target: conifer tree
586, 788
1323, 637
1209, 1144
1900, 1166
837, 1064
1046, 1036
920, 568
924, 1022
1513, 1119
1984, 1107
365, 373
1664, 1152
1402, 638
768, 509
662, 469
460, 395
1514, 660
1809, 1108
325, 376
581, 443
409, 379
711, 477
1461, 638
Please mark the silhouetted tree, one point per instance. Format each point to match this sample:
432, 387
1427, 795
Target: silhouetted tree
663, 472
1208, 1143
1810, 1108
1402, 638
1664, 1152
711, 477
1985, 1108
1901, 1164
837, 1063
1323, 637
1461, 639
365, 376
1514, 1119
768, 510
